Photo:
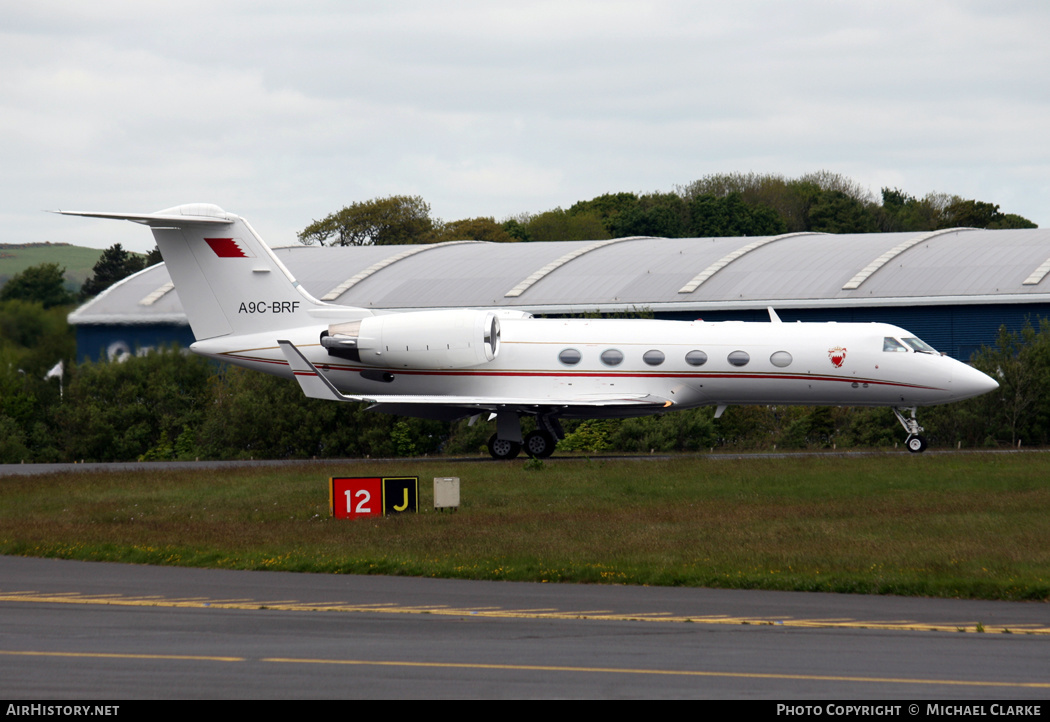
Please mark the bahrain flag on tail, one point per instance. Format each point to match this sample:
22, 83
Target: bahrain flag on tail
229, 248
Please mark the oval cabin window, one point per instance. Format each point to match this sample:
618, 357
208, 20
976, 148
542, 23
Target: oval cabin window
653, 358
696, 358
612, 357
780, 359
739, 358
569, 357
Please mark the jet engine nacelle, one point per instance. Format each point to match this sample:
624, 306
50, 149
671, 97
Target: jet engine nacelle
452, 339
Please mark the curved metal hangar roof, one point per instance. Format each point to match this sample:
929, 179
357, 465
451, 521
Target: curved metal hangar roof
801, 270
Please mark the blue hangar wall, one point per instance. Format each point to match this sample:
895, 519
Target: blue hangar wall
104, 342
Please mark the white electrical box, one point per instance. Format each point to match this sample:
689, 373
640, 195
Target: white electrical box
446, 492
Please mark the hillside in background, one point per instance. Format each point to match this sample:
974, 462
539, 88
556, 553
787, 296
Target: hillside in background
77, 260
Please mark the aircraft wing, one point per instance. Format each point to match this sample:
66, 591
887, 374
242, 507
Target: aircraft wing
317, 386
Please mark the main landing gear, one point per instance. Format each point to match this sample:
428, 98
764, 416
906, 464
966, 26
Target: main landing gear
503, 449
540, 444
507, 442
915, 442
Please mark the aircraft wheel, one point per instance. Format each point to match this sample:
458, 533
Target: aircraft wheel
539, 444
916, 444
503, 449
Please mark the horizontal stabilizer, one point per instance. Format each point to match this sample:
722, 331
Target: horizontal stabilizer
200, 214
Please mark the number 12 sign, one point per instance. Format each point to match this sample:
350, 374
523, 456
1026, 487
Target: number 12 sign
357, 496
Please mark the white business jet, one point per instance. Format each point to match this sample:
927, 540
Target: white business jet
245, 308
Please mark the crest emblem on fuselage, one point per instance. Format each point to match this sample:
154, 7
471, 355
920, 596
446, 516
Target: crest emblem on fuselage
837, 354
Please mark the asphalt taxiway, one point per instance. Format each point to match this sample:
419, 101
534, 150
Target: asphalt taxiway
81, 630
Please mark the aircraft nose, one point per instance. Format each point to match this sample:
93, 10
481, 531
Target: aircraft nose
968, 382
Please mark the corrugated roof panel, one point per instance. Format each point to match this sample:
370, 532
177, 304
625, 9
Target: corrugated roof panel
539, 274
969, 263
800, 267
651, 269
481, 273
980, 264
889, 256
320, 269
732, 256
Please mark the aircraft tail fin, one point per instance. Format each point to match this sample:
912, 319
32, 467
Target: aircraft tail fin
227, 278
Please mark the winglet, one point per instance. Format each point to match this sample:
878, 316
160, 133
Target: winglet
313, 383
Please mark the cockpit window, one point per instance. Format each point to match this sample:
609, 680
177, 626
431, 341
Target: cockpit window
920, 345
891, 344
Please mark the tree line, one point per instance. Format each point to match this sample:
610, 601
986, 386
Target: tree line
732, 204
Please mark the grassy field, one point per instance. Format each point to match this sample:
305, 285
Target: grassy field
77, 260
971, 525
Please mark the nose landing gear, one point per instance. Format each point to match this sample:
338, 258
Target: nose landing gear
916, 442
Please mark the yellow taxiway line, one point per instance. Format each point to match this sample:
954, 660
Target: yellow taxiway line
498, 612
543, 668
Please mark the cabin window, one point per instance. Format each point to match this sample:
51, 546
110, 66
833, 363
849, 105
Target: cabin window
739, 358
653, 358
612, 357
696, 358
780, 359
891, 345
570, 357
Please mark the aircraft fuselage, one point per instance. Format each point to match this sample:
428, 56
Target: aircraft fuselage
742, 363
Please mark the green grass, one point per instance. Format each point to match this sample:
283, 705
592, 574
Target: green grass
974, 525
77, 260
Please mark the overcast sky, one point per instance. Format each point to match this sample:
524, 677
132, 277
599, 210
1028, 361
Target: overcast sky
283, 112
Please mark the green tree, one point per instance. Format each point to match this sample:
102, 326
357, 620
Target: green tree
43, 284
380, 222
903, 212
120, 411
1011, 220
712, 216
608, 207
560, 225
833, 211
688, 430
663, 215
266, 417
969, 214
33, 338
113, 265
1020, 362
475, 229
517, 228
978, 214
